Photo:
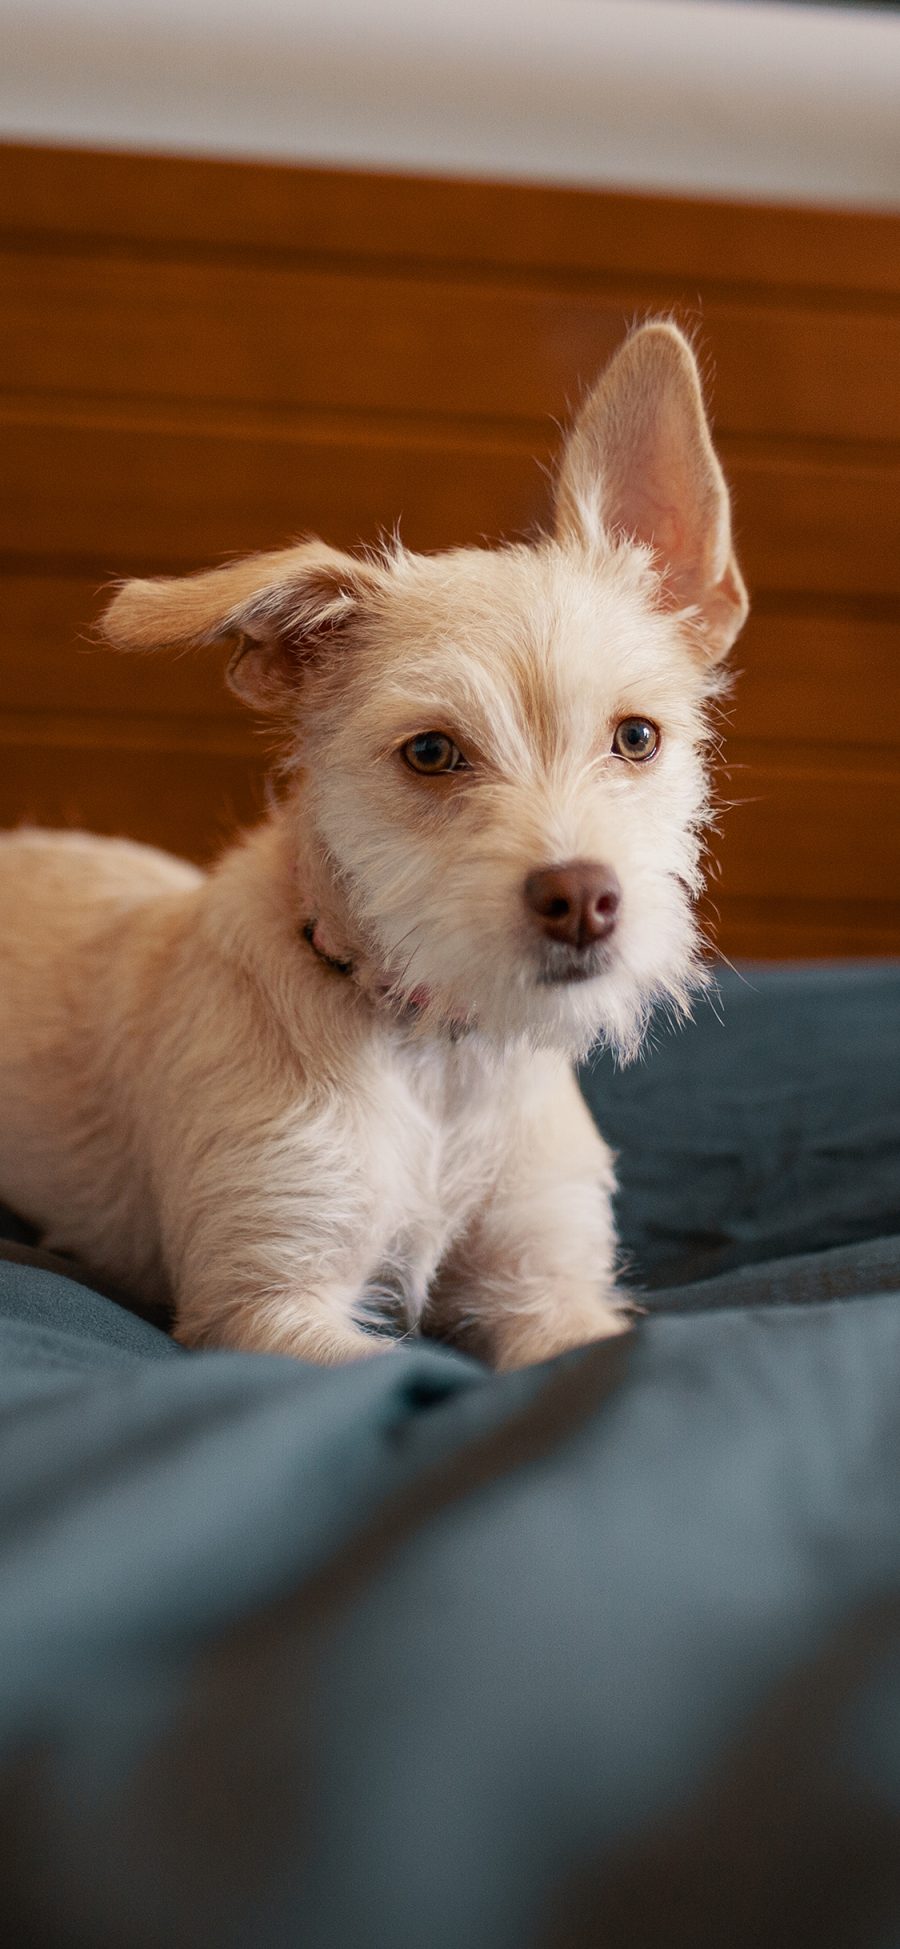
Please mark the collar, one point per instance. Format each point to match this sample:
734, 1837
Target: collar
311, 932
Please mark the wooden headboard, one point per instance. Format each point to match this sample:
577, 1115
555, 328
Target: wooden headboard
202, 358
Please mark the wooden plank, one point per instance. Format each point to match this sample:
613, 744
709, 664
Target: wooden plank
56, 192
417, 343
816, 527
188, 802
101, 731
809, 824
121, 489
817, 679
189, 488
797, 930
50, 659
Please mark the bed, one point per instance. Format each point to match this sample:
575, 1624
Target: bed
407, 1653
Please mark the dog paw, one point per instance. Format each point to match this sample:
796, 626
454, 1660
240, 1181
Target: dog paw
525, 1343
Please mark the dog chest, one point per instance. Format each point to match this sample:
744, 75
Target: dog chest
434, 1152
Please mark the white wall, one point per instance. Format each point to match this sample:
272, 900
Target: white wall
772, 101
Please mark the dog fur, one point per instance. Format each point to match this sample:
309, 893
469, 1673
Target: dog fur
331, 1078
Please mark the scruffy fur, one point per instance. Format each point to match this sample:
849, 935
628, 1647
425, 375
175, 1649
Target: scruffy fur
200, 1105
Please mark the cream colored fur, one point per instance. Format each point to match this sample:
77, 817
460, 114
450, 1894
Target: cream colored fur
199, 1106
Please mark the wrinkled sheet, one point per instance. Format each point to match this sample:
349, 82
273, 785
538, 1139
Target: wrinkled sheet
409, 1654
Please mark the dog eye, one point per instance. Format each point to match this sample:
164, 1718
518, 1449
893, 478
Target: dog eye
432, 753
635, 738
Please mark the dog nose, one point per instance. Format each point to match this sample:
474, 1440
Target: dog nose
576, 903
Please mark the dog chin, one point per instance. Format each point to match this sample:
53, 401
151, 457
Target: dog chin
564, 967
609, 1003
569, 1009
548, 1007
550, 997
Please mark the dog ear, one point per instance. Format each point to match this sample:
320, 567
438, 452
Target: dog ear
640, 462
284, 610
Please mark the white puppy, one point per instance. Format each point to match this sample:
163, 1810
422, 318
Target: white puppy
330, 1080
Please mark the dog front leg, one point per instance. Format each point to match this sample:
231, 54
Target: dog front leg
315, 1324
532, 1275
274, 1273
274, 1216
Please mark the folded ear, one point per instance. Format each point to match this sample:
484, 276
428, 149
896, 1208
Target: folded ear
284, 610
640, 462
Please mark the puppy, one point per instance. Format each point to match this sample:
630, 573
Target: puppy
327, 1086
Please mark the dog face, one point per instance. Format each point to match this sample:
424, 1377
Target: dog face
477, 743
497, 755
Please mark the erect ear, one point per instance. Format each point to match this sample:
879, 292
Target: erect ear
283, 610
640, 462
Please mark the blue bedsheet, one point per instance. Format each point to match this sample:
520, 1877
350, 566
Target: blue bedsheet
415, 1656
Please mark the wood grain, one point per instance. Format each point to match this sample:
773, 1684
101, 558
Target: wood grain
52, 194
189, 803
124, 487
55, 661
802, 822
416, 343
800, 930
821, 678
